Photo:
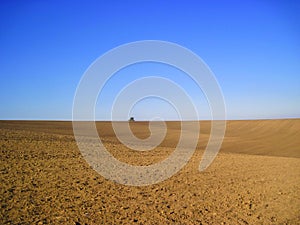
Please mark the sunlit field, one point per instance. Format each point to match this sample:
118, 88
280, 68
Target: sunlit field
254, 179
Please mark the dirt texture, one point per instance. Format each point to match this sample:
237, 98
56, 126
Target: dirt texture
255, 179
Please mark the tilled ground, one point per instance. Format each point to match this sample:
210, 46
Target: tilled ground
45, 180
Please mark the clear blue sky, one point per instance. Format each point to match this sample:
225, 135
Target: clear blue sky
253, 48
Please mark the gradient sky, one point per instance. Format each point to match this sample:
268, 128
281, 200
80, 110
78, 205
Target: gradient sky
253, 48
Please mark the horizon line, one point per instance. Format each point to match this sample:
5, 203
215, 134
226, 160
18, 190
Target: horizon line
68, 120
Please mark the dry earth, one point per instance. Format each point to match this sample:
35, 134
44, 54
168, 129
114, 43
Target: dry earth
255, 178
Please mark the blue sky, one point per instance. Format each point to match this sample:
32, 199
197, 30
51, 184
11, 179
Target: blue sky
253, 48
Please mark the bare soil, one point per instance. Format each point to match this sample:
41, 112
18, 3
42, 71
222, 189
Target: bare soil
255, 179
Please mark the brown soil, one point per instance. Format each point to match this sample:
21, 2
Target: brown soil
255, 178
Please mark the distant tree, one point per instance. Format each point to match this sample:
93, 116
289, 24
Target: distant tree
131, 119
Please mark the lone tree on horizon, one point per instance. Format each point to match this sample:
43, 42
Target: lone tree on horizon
131, 119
